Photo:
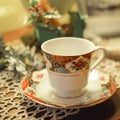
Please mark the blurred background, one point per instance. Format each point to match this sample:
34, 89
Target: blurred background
13, 14
102, 19
104, 15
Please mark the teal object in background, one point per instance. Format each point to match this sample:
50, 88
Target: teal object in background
43, 34
77, 24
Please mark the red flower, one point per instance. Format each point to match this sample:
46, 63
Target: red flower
31, 92
32, 9
25, 84
40, 76
113, 87
102, 78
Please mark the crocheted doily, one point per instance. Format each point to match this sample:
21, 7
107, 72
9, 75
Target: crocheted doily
15, 106
112, 68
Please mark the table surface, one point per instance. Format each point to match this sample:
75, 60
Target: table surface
14, 105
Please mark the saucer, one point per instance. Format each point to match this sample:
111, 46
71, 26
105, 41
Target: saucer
100, 87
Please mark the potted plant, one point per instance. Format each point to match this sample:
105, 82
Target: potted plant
47, 25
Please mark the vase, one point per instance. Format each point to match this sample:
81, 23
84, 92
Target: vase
77, 25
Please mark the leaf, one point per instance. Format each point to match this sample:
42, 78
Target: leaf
33, 2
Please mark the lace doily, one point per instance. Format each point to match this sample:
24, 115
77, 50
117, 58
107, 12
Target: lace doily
15, 106
112, 68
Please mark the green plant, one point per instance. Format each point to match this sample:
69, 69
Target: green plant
19, 61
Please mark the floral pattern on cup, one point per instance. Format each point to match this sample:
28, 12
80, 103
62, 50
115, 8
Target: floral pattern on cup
67, 64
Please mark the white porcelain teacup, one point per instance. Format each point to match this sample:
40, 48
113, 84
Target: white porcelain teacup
68, 64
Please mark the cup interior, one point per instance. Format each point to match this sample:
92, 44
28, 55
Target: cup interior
68, 46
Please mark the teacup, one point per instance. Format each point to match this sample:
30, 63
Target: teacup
68, 62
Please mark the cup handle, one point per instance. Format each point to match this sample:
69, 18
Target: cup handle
100, 57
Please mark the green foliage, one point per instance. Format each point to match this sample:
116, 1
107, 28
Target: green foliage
19, 61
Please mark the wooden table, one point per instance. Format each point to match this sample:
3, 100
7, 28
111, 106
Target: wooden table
15, 34
108, 110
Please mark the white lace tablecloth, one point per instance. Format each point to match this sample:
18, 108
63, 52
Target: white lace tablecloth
15, 106
112, 68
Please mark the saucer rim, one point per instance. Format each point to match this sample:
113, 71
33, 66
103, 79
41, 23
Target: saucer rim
90, 104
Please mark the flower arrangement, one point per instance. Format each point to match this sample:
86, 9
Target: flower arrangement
43, 15
46, 21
